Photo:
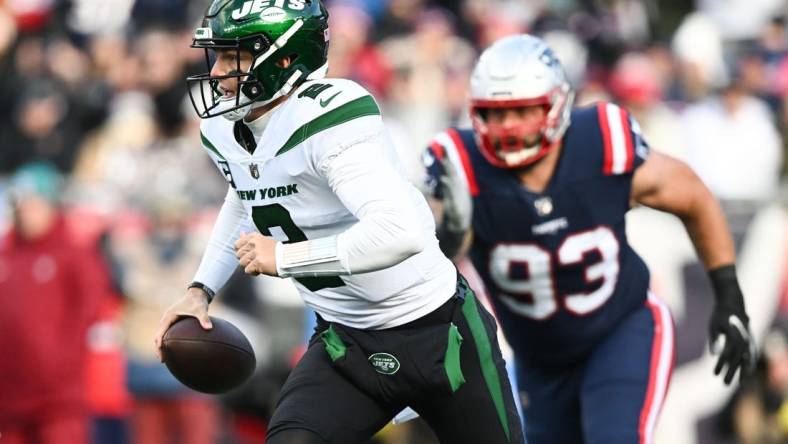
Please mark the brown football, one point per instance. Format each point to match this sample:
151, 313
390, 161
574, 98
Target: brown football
209, 361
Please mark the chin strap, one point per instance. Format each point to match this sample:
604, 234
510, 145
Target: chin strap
293, 82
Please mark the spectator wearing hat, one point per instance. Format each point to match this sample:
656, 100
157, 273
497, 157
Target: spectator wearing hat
51, 288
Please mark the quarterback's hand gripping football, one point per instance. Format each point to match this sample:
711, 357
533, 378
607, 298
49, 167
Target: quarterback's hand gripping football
194, 303
256, 254
729, 331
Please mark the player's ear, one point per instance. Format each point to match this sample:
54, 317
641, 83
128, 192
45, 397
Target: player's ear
285, 61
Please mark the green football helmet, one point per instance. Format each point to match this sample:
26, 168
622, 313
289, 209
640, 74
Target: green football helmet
269, 30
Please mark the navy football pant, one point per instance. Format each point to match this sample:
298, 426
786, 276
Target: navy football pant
614, 395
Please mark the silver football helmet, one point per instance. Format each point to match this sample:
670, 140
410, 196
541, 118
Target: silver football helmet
519, 71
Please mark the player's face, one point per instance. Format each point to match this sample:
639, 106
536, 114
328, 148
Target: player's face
230, 61
528, 119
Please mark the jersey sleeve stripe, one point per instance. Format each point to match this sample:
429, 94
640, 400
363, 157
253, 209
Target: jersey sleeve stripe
619, 152
660, 369
452, 152
630, 150
618, 138
361, 107
466, 161
437, 150
209, 146
607, 163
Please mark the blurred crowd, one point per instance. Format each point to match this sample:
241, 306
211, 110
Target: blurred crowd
100, 152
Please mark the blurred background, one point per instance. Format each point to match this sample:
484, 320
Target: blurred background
114, 198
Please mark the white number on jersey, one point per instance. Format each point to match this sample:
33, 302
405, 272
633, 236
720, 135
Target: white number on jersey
535, 295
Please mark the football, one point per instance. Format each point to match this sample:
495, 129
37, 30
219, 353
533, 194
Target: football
209, 361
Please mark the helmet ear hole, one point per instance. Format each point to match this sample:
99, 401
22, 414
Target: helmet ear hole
286, 61
259, 45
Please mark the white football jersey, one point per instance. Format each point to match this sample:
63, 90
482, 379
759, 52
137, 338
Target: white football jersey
286, 197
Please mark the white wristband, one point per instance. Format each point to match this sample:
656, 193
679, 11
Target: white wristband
318, 257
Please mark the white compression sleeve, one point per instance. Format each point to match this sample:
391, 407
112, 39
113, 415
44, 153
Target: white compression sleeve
388, 231
219, 261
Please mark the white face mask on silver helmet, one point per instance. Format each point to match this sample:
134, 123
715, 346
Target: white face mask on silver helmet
519, 71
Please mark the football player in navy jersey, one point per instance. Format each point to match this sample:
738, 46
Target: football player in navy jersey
539, 191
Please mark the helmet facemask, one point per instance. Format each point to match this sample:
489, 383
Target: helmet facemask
205, 91
516, 146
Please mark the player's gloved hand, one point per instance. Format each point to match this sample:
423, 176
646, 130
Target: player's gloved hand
729, 331
457, 204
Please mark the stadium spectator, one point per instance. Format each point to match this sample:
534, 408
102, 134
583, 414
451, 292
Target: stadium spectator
351, 53
431, 67
636, 85
53, 288
733, 145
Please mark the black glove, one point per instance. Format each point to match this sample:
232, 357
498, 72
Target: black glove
729, 328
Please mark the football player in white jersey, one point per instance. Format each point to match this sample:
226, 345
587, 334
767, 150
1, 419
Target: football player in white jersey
317, 194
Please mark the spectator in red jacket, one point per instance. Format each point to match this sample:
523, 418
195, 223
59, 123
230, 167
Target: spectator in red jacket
51, 289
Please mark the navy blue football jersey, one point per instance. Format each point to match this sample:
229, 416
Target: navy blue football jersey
557, 264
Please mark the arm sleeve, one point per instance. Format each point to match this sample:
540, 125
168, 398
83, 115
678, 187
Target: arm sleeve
363, 176
389, 230
219, 261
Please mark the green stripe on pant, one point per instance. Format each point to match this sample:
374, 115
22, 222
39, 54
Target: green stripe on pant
484, 347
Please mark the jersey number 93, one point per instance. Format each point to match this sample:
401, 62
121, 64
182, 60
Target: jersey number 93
535, 295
